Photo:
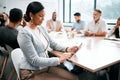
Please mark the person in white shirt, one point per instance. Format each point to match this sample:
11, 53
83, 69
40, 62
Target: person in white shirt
54, 24
97, 27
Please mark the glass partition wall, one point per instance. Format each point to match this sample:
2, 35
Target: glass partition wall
110, 9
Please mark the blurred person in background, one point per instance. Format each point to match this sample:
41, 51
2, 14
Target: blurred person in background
79, 24
8, 33
4, 19
97, 27
54, 24
116, 30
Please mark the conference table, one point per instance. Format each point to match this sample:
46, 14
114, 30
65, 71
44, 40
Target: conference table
95, 53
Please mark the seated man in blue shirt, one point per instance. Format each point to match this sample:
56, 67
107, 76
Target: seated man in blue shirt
79, 24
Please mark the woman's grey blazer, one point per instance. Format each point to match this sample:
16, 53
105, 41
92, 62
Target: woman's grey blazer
35, 54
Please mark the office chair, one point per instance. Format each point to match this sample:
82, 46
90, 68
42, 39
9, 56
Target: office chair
9, 49
3, 58
16, 56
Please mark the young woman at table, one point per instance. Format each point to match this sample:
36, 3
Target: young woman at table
116, 30
34, 42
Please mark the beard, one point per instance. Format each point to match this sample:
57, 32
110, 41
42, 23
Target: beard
96, 19
54, 19
78, 21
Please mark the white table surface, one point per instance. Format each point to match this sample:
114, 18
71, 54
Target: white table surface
95, 53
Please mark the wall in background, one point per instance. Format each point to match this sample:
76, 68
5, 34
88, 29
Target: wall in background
50, 6
2, 5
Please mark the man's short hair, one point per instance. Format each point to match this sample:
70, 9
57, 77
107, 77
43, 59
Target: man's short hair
77, 14
118, 18
15, 15
54, 12
99, 11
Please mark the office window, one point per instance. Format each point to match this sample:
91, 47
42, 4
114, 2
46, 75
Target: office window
110, 9
85, 7
66, 10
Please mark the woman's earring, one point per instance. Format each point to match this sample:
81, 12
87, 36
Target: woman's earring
31, 20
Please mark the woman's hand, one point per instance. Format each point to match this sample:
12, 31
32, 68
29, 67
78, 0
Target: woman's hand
73, 49
64, 57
